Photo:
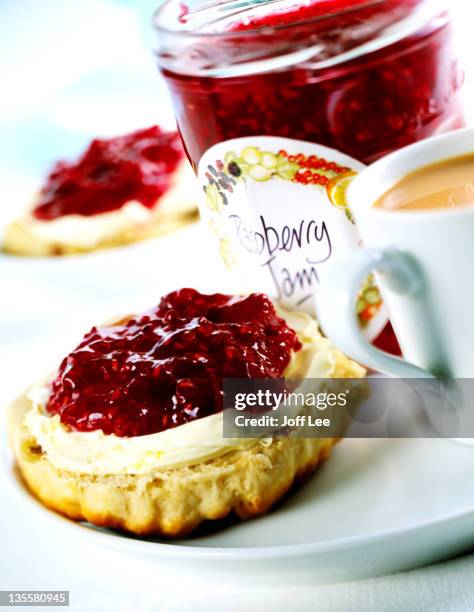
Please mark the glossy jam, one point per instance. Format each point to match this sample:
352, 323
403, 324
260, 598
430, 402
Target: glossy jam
165, 367
365, 107
138, 166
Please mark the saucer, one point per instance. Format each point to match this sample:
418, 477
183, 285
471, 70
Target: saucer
376, 507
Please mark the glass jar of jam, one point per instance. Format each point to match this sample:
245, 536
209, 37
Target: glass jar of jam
363, 77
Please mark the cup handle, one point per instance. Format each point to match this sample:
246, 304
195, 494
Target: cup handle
336, 298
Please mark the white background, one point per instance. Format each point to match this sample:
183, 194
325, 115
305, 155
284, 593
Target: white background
69, 71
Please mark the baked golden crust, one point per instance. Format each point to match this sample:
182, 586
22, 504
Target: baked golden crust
20, 240
175, 501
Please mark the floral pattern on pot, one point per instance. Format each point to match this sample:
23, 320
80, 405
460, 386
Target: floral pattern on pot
257, 165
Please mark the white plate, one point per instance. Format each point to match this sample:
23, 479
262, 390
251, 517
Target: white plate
376, 507
73, 292
118, 271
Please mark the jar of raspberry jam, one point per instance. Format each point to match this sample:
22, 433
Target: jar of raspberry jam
360, 78
363, 77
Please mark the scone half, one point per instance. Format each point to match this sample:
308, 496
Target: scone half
167, 483
120, 190
133, 222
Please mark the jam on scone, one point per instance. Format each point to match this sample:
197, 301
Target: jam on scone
165, 367
138, 166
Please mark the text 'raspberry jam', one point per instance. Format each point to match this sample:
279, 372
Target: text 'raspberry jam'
138, 166
165, 367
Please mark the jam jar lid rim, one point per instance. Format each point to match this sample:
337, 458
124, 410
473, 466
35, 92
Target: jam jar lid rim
426, 10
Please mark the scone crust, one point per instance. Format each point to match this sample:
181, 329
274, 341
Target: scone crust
19, 240
173, 502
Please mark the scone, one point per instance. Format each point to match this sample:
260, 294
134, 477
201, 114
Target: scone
121, 190
128, 434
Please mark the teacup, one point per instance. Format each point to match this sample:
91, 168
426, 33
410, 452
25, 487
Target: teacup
423, 263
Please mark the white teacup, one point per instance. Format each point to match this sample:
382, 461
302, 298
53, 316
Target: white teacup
423, 261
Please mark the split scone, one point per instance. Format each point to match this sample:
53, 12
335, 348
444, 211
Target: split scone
121, 190
128, 434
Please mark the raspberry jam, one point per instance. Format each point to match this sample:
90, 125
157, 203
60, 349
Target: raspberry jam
365, 77
165, 367
363, 103
138, 166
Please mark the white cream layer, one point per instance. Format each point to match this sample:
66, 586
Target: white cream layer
195, 442
85, 232
97, 453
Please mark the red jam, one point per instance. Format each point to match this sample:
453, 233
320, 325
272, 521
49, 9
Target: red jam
138, 166
165, 367
364, 107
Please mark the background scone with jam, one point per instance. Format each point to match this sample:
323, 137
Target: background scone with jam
120, 190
